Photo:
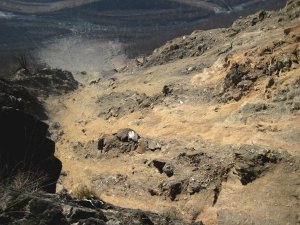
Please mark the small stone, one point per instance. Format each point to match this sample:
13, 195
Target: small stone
168, 169
158, 165
123, 134
270, 82
167, 90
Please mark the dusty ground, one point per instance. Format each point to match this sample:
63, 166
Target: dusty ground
196, 120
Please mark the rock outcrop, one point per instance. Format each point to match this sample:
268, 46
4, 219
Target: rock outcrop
124, 141
25, 148
38, 208
46, 81
18, 97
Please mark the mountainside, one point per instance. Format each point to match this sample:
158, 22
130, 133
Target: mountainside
33, 6
210, 124
134, 27
204, 130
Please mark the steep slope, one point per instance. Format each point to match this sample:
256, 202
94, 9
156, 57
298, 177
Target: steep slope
212, 118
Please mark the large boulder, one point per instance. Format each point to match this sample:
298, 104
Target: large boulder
125, 140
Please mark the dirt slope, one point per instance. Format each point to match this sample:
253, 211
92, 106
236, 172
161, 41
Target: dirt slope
217, 115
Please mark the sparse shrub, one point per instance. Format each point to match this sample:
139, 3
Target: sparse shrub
28, 63
16, 191
82, 192
22, 62
29, 181
23, 182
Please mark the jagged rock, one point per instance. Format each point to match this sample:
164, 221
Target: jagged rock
252, 161
237, 82
194, 186
173, 188
79, 214
39, 208
45, 212
18, 97
159, 165
144, 219
47, 81
235, 75
91, 221
163, 167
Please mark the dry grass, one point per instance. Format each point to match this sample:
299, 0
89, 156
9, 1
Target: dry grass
83, 192
24, 181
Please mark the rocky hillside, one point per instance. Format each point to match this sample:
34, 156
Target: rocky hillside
202, 131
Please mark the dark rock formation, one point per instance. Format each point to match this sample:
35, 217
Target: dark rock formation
173, 188
24, 147
163, 167
252, 161
18, 97
46, 82
124, 141
61, 209
237, 82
